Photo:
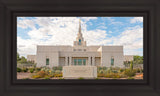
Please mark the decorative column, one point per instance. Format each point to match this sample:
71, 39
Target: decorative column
66, 61
70, 60
93, 61
89, 61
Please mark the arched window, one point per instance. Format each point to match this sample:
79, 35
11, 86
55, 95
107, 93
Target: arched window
79, 41
112, 61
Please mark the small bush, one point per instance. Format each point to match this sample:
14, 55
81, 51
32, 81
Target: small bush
57, 68
25, 69
129, 73
97, 78
130, 78
37, 69
26, 78
46, 78
31, 70
61, 78
40, 74
100, 75
81, 78
58, 75
113, 75
121, 70
36, 76
58, 71
19, 69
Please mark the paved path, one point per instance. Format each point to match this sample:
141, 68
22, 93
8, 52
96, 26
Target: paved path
23, 75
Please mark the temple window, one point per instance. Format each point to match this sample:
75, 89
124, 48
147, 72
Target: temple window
79, 42
47, 61
112, 61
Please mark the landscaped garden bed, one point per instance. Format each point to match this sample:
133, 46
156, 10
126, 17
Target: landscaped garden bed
102, 73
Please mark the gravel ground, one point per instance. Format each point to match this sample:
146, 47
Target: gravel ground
22, 75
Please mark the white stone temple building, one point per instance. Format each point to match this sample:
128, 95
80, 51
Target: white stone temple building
78, 55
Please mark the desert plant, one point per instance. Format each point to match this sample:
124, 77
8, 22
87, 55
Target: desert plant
25, 69
37, 69
58, 71
47, 78
121, 70
113, 75
26, 78
131, 65
100, 75
40, 74
58, 75
31, 70
97, 78
19, 69
129, 72
130, 78
81, 78
61, 78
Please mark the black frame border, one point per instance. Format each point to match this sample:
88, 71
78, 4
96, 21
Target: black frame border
9, 86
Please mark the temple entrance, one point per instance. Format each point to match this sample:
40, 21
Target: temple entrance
80, 62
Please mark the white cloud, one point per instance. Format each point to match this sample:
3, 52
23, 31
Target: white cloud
113, 21
88, 18
131, 39
26, 24
136, 19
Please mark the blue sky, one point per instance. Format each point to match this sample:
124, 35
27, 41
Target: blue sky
126, 31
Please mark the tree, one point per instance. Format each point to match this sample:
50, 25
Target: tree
131, 65
138, 59
23, 60
18, 58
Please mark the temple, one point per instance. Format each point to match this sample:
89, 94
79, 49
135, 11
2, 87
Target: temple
78, 55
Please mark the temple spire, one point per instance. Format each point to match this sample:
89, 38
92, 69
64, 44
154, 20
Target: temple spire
79, 40
79, 27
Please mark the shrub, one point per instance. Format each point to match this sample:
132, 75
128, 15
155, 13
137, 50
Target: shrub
36, 76
100, 75
37, 69
131, 65
26, 78
19, 69
114, 71
25, 69
113, 75
58, 75
40, 74
97, 78
31, 70
61, 78
57, 68
58, 71
130, 78
81, 78
129, 72
46, 78
121, 70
